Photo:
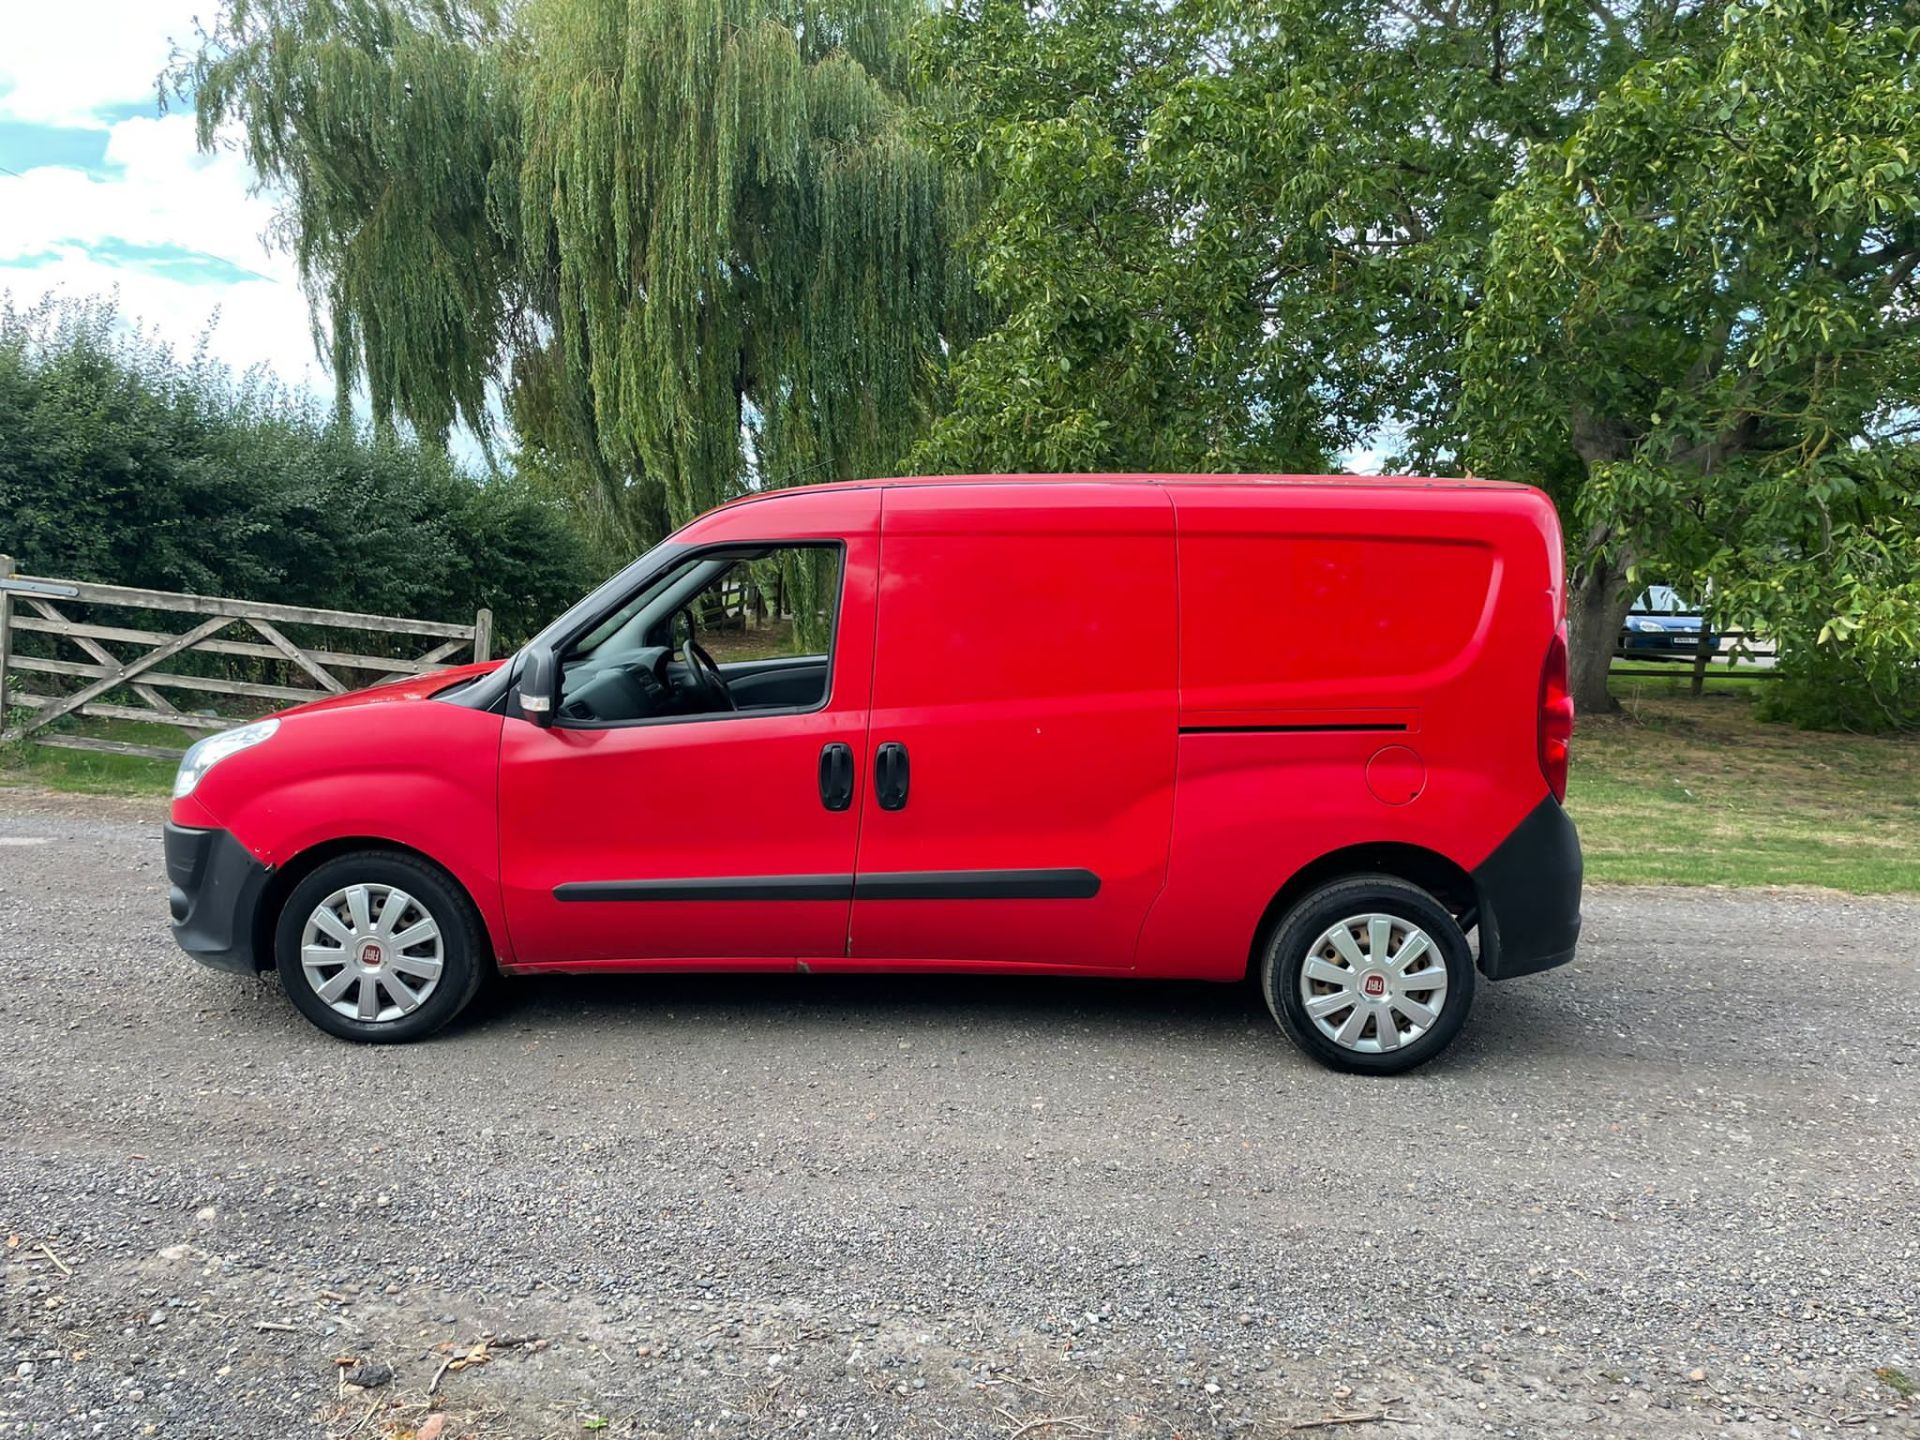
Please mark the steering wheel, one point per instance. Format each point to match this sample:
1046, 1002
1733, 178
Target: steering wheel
712, 683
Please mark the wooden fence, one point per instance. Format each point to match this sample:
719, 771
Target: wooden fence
112, 671
1746, 656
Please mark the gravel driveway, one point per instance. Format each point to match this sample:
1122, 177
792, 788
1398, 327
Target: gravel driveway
1673, 1189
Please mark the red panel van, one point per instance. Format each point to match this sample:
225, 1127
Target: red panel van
1311, 728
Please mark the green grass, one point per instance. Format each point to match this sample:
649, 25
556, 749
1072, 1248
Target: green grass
1672, 791
1679, 791
1898, 1381
85, 772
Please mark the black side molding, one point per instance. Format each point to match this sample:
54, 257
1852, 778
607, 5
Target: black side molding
979, 885
1389, 725
906, 885
721, 887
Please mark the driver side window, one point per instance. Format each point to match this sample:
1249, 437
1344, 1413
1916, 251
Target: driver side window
778, 607
735, 630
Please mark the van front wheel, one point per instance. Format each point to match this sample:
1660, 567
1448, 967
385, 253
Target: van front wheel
380, 947
1369, 974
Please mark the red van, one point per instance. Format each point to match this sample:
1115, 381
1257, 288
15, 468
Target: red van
1166, 727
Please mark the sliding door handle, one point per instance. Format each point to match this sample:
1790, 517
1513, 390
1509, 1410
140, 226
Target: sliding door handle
890, 776
836, 776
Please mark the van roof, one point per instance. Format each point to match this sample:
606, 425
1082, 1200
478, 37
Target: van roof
1382, 482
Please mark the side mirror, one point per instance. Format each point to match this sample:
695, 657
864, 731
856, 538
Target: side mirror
538, 685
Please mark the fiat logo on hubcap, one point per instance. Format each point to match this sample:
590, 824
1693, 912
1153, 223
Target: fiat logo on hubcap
1375, 986
371, 954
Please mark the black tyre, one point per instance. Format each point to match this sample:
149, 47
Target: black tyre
1369, 974
380, 947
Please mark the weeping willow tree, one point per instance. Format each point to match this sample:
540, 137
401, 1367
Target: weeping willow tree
386, 129
691, 245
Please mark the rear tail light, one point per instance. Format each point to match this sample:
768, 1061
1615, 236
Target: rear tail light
1556, 717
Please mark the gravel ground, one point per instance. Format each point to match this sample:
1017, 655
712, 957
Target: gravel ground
1673, 1189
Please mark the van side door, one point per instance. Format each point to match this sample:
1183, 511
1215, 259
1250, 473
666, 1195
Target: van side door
1023, 736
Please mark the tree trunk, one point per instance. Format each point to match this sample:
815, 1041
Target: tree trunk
1702, 653
1596, 609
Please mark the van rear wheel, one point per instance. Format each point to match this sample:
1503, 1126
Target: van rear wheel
380, 947
1369, 974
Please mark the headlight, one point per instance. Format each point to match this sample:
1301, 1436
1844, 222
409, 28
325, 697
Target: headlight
1646, 627
211, 751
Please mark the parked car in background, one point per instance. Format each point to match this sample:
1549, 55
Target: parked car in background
1024, 728
1662, 625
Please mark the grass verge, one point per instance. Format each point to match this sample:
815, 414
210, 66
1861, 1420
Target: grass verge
90, 773
1679, 791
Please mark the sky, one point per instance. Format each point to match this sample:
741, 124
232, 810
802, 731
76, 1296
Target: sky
106, 193
100, 192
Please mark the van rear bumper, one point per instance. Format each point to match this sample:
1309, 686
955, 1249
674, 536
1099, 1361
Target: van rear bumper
1528, 891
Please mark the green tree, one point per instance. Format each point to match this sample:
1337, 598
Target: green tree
121, 463
699, 238
1146, 298
1656, 257
1706, 290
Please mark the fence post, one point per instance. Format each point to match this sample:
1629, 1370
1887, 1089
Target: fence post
483, 635
6, 635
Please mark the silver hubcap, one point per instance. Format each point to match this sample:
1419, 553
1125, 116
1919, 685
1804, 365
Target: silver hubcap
372, 952
1373, 983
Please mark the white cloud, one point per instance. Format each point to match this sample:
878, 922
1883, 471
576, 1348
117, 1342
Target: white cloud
177, 233
245, 323
67, 64
158, 190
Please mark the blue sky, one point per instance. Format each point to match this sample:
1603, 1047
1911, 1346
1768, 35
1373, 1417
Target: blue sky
108, 194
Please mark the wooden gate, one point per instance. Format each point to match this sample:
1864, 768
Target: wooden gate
118, 671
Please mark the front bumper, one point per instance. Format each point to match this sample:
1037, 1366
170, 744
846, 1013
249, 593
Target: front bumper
1669, 642
214, 897
1528, 892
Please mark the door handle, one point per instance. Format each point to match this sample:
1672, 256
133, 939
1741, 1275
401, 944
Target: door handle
836, 776
890, 775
